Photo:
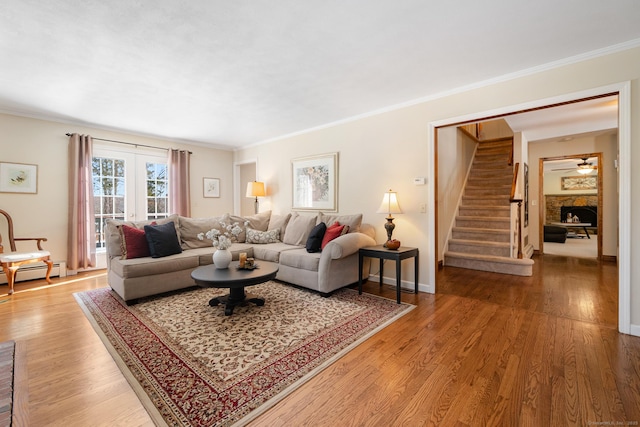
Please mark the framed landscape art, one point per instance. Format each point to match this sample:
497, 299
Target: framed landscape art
18, 178
315, 182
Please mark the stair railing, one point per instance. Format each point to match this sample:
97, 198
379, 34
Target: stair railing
517, 230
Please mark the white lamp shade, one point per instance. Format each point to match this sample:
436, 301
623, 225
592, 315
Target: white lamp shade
255, 189
390, 203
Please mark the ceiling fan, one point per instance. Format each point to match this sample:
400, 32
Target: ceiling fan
583, 168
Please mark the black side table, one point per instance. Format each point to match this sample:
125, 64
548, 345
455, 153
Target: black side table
383, 253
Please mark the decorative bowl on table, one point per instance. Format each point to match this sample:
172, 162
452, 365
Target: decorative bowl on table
392, 244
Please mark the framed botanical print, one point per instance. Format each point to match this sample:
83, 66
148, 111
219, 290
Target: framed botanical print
18, 178
211, 187
315, 182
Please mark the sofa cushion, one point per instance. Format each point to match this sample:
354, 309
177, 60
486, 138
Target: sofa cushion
298, 229
353, 221
191, 227
314, 242
141, 267
272, 251
134, 242
205, 255
335, 230
279, 221
258, 221
300, 258
262, 237
163, 240
112, 233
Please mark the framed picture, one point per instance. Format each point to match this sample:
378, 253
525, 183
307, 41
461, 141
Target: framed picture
211, 187
315, 182
579, 183
18, 178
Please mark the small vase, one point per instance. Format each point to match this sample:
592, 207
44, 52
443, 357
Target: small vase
222, 258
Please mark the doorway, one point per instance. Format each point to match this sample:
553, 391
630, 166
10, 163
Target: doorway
246, 174
621, 194
571, 195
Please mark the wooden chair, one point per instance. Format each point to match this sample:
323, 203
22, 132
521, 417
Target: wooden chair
12, 261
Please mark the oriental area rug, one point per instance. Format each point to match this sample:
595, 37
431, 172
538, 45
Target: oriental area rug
193, 366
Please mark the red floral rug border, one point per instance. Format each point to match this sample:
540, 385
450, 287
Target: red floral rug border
179, 388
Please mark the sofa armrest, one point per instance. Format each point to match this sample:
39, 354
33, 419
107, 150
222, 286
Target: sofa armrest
343, 246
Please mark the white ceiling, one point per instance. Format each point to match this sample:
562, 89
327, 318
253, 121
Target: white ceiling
234, 73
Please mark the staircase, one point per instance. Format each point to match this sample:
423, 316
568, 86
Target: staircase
480, 239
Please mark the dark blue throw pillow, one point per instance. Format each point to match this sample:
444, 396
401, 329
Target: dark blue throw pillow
314, 242
162, 240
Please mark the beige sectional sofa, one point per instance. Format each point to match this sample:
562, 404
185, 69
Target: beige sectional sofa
334, 267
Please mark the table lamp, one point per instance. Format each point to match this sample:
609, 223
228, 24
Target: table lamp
255, 189
389, 206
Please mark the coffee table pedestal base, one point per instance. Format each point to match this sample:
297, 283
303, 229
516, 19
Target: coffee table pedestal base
236, 297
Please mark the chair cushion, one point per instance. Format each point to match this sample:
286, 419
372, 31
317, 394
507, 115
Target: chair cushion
22, 256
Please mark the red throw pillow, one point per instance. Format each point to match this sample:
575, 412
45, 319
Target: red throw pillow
332, 232
134, 242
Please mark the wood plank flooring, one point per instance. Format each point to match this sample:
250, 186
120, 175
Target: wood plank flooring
485, 350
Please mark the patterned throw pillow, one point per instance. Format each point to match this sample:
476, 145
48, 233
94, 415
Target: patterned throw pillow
262, 237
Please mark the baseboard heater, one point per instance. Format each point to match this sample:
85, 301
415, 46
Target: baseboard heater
37, 271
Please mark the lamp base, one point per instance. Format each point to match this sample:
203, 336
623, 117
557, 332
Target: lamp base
257, 205
389, 226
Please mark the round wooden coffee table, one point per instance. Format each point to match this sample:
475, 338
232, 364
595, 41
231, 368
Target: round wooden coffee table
234, 278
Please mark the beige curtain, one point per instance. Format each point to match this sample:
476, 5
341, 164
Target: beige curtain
81, 235
179, 193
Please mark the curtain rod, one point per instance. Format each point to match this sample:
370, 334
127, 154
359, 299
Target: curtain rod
129, 143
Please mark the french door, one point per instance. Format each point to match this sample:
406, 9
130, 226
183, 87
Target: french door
127, 186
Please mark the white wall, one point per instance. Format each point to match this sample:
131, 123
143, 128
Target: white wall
455, 154
44, 143
391, 148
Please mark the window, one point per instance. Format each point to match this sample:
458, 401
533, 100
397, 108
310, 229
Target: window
128, 186
108, 193
157, 191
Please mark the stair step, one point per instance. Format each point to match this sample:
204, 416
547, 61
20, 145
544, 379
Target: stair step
495, 223
494, 264
484, 234
501, 249
504, 171
492, 200
485, 211
494, 151
489, 180
496, 190
504, 142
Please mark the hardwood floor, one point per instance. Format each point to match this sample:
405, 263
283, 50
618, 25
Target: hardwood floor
485, 350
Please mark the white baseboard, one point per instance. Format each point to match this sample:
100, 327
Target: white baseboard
634, 330
37, 271
404, 284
